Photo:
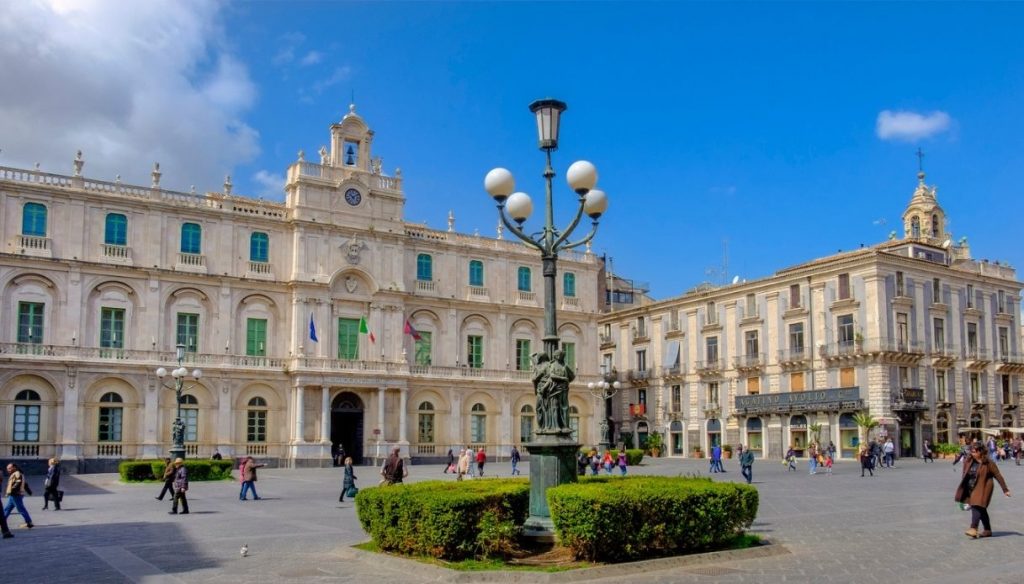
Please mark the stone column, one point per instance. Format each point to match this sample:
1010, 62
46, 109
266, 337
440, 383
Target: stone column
151, 418
300, 418
70, 448
325, 414
380, 411
225, 427
403, 405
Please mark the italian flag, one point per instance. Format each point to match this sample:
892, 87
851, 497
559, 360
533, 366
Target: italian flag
363, 329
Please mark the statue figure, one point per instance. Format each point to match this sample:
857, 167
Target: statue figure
178, 432
541, 386
551, 378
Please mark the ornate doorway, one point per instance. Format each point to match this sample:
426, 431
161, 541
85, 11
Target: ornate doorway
347, 425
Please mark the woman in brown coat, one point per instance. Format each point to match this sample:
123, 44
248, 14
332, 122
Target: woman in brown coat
976, 488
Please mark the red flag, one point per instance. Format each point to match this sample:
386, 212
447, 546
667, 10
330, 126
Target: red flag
409, 330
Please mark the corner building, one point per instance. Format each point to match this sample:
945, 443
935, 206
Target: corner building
912, 331
101, 281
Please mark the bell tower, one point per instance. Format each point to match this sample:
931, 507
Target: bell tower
350, 142
924, 220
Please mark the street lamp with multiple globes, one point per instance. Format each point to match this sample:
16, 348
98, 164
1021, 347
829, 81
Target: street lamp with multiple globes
553, 452
604, 390
179, 374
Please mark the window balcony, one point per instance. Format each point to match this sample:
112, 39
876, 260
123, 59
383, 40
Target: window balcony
943, 356
121, 254
260, 271
426, 286
524, 297
910, 399
711, 409
793, 358
479, 293
191, 262
751, 362
712, 367
638, 375
33, 245
640, 335
570, 303
976, 358
606, 340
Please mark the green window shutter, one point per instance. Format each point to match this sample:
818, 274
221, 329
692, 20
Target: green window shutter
256, 337
259, 247
476, 273
475, 351
115, 230
33, 220
188, 331
348, 338
522, 354
569, 284
30, 322
111, 328
570, 354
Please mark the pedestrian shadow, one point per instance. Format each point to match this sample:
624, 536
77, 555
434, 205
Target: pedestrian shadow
74, 486
203, 512
1006, 533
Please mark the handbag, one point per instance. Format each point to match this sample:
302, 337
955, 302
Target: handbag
60, 496
352, 491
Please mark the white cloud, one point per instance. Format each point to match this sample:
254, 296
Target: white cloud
910, 126
337, 76
270, 185
311, 58
289, 43
128, 83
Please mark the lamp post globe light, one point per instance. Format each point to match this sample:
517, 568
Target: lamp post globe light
604, 390
179, 374
553, 452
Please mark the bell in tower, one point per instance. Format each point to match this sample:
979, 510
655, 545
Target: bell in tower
350, 154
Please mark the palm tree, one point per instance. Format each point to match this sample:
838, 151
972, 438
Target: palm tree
816, 429
865, 422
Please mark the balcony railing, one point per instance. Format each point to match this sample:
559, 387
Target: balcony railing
523, 296
426, 286
794, 355
910, 398
34, 245
606, 339
749, 361
191, 261
117, 253
109, 450
711, 407
479, 293
640, 335
711, 366
259, 269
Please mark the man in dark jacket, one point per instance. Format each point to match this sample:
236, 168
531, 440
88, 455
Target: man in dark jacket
394, 469
50, 492
747, 465
168, 480
180, 487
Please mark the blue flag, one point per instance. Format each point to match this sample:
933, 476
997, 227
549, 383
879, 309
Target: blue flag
312, 329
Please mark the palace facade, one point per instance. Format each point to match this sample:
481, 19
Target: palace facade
912, 331
325, 320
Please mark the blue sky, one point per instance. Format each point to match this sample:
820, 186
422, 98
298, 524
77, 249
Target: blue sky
752, 123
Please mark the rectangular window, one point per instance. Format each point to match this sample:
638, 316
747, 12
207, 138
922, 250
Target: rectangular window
902, 330
525, 428
712, 313
844, 326
972, 337
570, 355
256, 337
641, 359
641, 327
569, 285
1004, 342
751, 343
794, 296
940, 385
1004, 382
796, 381
939, 327
844, 286
1001, 301
712, 350
26, 423
904, 377
900, 291
423, 348
713, 393
751, 306
796, 338
523, 279
475, 351
847, 377
259, 247
424, 267
110, 425
975, 388
188, 331
523, 354
936, 291
673, 321
348, 338
970, 296
425, 428
111, 328
30, 322
476, 273
753, 385
677, 398
191, 416
256, 426
478, 428
641, 397
606, 363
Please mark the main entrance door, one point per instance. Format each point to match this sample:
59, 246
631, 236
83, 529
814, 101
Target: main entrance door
347, 425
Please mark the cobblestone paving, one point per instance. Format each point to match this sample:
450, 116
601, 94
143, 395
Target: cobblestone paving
900, 526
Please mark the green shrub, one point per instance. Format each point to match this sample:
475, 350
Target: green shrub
630, 518
944, 448
448, 520
634, 456
198, 469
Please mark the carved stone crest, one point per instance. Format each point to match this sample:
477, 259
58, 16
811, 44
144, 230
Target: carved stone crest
353, 248
351, 284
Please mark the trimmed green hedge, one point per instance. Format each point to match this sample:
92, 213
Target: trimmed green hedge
449, 520
628, 518
633, 456
198, 469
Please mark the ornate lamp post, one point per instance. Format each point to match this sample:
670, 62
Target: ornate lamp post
604, 390
552, 454
179, 374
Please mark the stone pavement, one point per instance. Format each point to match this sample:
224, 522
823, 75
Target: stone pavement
900, 526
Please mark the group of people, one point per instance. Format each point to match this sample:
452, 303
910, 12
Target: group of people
818, 457
18, 487
472, 462
1003, 449
596, 461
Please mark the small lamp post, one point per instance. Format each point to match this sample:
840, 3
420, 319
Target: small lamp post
604, 390
553, 453
179, 374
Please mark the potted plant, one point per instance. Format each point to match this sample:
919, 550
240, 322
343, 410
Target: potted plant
697, 452
654, 444
727, 451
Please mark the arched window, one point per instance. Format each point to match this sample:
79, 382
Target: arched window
33, 220
935, 225
424, 267
476, 273
26, 416
574, 422
191, 417
915, 227
110, 418
259, 247
798, 432
525, 285
191, 238
256, 420
426, 423
115, 231
754, 437
478, 424
569, 284
526, 424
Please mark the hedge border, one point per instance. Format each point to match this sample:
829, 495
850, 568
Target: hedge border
199, 469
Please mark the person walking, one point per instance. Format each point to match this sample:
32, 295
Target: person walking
481, 460
248, 475
180, 487
975, 489
716, 458
889, 451
50, 486
926, 452
168, 480
791, 459
348, 482
464, 465
216, 455
622, 462
812, 459
16, 490
867, 462
595, 463
828, 463
514, 457
394, 469
1017, 446
747, 465
450, 465
831, 450
607, 462
964, 449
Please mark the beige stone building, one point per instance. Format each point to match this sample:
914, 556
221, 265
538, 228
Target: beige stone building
101, 280
912, 331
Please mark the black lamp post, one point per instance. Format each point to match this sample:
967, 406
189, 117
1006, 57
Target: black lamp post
552, 454
179, 374
604, 390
